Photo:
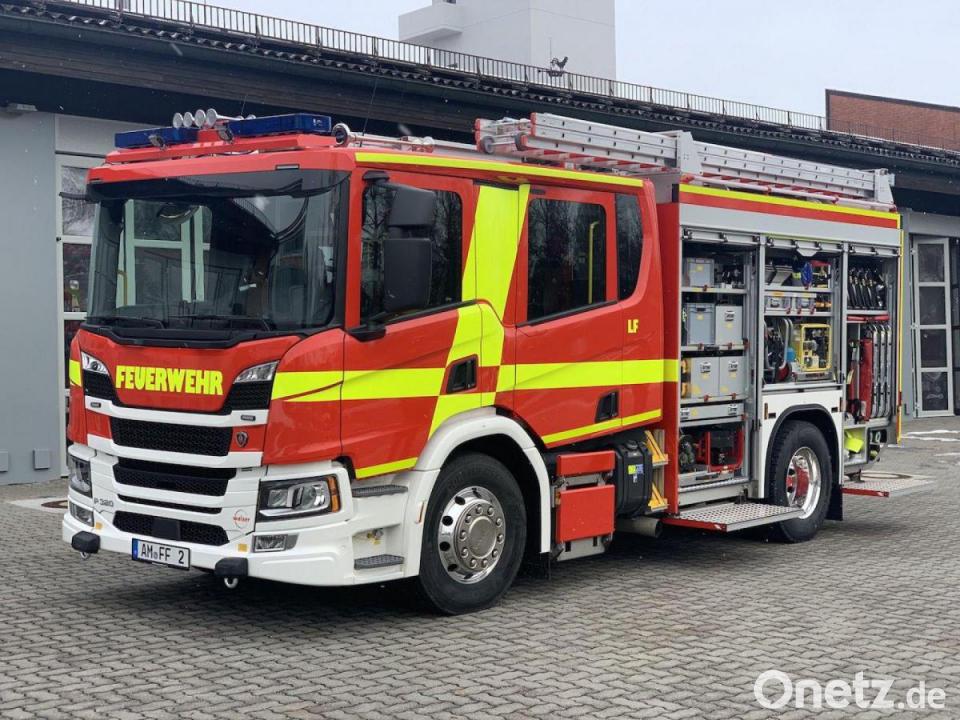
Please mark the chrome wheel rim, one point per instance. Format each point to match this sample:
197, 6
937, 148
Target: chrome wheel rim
471, 534
804, 481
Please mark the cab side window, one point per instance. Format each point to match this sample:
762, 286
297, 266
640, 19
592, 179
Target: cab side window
566, 262
629, 244
446, 235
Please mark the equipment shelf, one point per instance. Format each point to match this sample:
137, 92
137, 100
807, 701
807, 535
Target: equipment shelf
791, 289
715, 289
797, 313
712, 421
712, 399
726, 347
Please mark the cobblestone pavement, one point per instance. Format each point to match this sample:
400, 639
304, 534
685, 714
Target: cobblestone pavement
679, 627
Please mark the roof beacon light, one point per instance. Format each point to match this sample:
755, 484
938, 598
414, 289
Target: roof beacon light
281, 124
185, 128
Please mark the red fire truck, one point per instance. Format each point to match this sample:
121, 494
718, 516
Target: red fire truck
318, 357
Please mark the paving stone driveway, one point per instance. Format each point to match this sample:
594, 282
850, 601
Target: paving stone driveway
674, 628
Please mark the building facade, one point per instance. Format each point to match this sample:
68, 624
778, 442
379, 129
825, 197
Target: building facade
62, 99
557, 35
932, 246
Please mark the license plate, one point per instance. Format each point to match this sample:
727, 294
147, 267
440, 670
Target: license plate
158, 554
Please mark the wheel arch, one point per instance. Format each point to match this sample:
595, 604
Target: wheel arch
819, 417
506, 440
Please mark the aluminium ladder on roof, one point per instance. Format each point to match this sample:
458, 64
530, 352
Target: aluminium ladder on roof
555, 139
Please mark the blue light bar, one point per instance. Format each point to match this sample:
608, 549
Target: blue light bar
168, 136
281, 124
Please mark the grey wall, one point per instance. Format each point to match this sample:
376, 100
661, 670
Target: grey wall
29, 383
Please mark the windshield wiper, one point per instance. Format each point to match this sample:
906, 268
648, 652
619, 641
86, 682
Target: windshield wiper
129, 320
265, 324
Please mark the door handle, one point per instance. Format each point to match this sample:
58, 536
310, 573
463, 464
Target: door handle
463, 375
608, 406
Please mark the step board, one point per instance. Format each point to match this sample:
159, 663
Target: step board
886, 486
376, 561
730, 517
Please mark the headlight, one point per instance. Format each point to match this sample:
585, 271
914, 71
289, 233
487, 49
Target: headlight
90, 363
79, 473
296, 498
258, 373
84, 515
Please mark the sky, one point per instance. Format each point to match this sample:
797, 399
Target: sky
767, 52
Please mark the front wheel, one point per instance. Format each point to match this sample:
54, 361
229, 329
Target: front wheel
800, 475
473, 535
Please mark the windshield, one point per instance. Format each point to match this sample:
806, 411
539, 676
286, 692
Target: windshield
198, 253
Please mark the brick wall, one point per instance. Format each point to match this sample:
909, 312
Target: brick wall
892, 119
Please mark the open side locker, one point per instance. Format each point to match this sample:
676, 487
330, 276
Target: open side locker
871, 362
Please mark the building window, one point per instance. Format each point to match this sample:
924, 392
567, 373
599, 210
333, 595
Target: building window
447, 237
566, 264
629, 244
76, 216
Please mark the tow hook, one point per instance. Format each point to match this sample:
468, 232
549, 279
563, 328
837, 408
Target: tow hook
86, 543
230, 570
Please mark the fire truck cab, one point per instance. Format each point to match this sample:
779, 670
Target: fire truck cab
324, 358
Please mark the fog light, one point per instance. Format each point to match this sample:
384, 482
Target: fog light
81, 513
273, 543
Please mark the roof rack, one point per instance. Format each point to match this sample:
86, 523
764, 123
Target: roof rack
571, 142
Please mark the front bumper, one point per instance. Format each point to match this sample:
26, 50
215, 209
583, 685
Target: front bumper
328, 547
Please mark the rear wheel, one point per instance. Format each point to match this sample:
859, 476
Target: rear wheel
473, 535
800, 475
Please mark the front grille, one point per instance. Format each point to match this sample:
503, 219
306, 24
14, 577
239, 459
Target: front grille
98, 386
175, 478
248, 396
170, 437
182, 530
170, 505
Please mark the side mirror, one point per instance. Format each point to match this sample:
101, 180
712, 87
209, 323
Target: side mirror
412, 210
408, 250
407, 271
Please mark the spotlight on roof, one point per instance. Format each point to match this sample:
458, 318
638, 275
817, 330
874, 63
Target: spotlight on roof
177, 120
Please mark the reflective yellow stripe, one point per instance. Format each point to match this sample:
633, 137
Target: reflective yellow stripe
75, 376
426, 382
671, 370
466, 343
774, 200
361, 385
287, 384
385, 468
532, 171
601, 426
556, 376
393, 383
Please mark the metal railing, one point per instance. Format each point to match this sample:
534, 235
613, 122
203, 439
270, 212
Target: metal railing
247, 24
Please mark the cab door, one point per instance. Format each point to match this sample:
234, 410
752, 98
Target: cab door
569, 336
396, 368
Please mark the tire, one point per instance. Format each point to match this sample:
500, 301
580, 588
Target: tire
799, 452
478, 489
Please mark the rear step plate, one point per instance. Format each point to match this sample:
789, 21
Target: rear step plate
730, 517
883, 485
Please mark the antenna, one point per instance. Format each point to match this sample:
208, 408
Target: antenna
373, 95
